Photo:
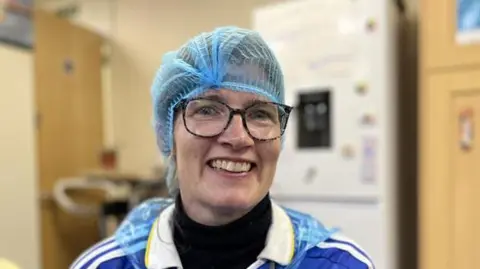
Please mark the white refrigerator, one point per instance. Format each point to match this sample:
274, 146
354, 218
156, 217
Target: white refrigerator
338, 160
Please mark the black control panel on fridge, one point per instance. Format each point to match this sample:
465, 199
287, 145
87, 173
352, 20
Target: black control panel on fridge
314, 122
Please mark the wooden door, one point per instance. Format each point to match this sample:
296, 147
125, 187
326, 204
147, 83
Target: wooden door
438, 37
69, 133
450, 173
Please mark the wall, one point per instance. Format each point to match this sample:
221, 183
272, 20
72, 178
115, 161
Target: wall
19, 237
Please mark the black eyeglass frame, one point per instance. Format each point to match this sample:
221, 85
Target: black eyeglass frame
232, 112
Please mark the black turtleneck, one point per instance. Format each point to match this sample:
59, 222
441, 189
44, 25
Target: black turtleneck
234, 245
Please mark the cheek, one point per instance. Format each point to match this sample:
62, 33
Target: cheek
189, 149
270, 154
182, 143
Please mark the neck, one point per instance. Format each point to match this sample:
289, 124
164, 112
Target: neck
233, 245
209, 216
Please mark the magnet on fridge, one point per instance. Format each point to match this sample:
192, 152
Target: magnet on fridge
371, 25
369, 160
466, 125
348, 151
368, 119
310, 175
361, 88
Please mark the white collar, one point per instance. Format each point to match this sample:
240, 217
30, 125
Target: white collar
161, 252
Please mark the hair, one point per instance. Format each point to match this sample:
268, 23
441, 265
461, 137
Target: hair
172, 176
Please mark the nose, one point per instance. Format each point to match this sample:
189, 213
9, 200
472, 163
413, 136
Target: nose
236, 136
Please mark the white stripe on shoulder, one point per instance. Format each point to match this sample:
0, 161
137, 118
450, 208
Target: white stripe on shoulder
342, 238
349, 246
109, 256
97, 245
102, 248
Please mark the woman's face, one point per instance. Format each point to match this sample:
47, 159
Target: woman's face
204, 187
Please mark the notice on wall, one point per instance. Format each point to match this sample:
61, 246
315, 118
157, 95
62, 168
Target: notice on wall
468, 22
16, 24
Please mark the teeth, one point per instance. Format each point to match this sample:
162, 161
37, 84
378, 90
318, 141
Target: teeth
230, 166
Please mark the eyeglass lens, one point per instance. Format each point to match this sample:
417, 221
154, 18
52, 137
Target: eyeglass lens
206, 117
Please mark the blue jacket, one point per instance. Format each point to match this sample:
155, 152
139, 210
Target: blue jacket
295, 241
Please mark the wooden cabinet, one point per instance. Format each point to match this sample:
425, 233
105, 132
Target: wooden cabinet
449, 186
450, 158
438, 30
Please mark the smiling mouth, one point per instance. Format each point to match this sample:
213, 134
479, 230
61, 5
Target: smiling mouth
231, 166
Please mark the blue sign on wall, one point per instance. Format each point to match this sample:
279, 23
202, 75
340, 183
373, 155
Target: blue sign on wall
16, 24
468, 21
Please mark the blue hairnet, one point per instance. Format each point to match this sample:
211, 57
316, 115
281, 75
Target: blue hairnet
226, 58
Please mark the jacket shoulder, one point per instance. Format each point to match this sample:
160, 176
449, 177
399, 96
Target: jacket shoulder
126, 248
104, 255
338, 251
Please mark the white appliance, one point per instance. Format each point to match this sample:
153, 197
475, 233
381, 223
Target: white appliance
339, 158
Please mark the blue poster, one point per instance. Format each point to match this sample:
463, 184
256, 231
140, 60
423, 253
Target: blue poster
468, 21
16, 25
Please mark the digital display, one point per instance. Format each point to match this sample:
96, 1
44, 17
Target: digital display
314, 119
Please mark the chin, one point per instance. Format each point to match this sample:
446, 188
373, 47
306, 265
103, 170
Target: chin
233, 199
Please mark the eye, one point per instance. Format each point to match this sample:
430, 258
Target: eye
207, 111
259, 114
263, 113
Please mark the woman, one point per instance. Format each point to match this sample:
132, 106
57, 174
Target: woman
219, 118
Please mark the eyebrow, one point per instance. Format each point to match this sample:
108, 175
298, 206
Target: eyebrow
215, 97
219, 98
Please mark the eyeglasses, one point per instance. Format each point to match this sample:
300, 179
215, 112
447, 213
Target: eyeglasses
208, 118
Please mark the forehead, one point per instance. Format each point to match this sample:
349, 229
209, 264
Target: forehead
234, 97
